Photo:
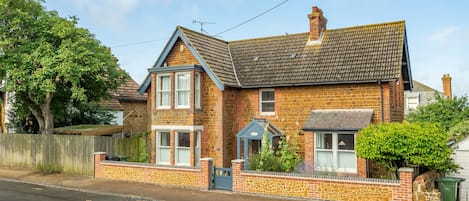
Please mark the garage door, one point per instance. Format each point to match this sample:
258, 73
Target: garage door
462, 158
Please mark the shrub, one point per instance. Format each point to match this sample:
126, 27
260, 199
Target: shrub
50, 168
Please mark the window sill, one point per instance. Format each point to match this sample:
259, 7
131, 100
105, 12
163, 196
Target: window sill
163, 108
267, 114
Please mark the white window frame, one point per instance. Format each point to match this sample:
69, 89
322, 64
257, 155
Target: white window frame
159, 147
416, 98
159, 92
177, 147
176, 91
335, 150
198, 136
197, 91
262, 101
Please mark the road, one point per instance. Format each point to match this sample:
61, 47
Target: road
15, 191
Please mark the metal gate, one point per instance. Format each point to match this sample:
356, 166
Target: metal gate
222, 178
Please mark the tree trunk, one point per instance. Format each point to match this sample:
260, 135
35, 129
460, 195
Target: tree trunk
47, 115
44, 115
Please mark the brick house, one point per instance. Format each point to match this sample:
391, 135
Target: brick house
129, 108
208, 97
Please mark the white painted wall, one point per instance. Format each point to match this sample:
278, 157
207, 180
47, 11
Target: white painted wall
461, 157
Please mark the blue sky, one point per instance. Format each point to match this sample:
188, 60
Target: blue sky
137, 30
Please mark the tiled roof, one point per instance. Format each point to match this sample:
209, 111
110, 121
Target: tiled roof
215, 53
339, 119
127, 92
355, 54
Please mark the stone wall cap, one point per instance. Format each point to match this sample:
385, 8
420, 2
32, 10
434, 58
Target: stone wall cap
206, 159
406, 169
99, 153
238, 161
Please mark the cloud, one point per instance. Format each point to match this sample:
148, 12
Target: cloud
446, 35
108, 13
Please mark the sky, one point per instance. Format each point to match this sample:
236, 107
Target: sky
137, 30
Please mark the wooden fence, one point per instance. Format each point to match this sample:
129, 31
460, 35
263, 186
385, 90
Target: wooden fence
71, 153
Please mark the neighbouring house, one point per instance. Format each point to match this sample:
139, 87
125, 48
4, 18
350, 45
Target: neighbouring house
210, 98
129, 108
421, 94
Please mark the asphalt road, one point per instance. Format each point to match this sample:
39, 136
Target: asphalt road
15, 191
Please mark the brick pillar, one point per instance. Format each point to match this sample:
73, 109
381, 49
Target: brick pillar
309, 151
98, 169
405, 188
205, 166
237, 166
153, 146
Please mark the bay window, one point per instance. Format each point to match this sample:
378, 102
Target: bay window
183, 151
183, 90
335, 152
163, 91
197, 90
163, 147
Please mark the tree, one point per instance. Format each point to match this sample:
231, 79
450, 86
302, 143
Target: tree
459, 131
445, 111
49, 63
396, 145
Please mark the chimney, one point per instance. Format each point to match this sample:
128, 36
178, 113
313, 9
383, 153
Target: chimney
447, 85
317, 24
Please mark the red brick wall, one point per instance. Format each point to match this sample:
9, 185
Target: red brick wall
135, 117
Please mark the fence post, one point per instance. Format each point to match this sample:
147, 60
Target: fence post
405, 177
237, 166
98, 169
206, 173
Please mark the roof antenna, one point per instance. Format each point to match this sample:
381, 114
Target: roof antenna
202, 23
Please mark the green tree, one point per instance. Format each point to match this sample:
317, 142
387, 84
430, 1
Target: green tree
396, 145
445, 111
50, 63
460, 130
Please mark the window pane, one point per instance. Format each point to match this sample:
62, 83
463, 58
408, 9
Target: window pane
347, 160
164, 155
346, 142
267, 96
183, 140
183, 97
324, 160
268, 107
164, 139
183, 156
323, 141
165, 97
165, 82
183, 81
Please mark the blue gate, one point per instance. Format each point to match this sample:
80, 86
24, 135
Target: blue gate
222, 178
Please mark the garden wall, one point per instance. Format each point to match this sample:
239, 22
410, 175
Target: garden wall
150, 173
322, 187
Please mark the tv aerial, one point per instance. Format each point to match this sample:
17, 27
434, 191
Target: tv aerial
202, 23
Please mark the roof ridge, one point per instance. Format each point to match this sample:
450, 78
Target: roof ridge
266, 37
198, 33
368, 25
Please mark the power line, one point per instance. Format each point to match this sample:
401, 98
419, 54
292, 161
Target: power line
138, 43
252, 18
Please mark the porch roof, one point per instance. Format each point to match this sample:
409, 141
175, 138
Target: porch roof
255, 130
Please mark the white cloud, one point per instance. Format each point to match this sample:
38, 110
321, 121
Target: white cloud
447, 34
109, 13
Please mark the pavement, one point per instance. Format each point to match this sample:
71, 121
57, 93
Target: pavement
134, 190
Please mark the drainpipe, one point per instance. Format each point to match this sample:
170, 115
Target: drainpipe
382, 100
